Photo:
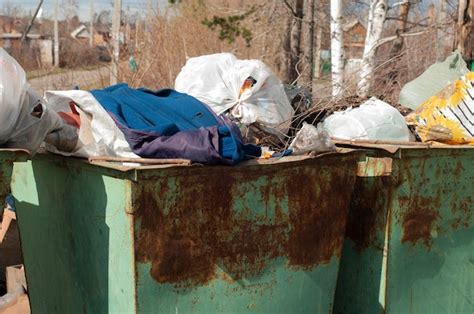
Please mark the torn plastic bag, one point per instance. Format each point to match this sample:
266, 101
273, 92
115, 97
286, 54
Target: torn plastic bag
312, 139
447, 117
433, 80
373, 120
245, 89
25, 119
98, 133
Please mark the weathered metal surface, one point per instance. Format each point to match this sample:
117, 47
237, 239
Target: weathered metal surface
360, 271
76, 236
203, 232
374, 167
430, 237
260, 238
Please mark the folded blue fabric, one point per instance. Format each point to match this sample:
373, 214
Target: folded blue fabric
169, 124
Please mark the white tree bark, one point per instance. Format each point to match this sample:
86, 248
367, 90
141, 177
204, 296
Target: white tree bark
377, 16
337, 51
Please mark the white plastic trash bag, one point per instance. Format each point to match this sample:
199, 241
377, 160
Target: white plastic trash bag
25, 119
246, 89
98, 132
312, 139
373, 120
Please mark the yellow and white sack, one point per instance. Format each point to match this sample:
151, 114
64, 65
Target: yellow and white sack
447, 117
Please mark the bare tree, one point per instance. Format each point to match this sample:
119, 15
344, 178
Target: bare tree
10, 9
69, 10
465, 27
295, 48
337, 51
402, 28
377, 16
319, 19
306, 78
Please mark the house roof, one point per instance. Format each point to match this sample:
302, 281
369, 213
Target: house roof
80, 32
350, 24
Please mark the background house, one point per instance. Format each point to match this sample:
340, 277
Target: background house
354, 38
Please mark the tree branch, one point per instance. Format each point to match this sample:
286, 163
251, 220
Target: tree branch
290, 8
392, 38
408, 22
402, 3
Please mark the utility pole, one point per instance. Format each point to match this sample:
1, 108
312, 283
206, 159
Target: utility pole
30, 24
116, 41
56, 35
91, 30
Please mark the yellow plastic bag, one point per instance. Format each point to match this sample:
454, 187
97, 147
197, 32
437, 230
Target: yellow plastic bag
447, 117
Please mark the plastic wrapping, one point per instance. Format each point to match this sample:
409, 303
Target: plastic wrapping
373, 120
312, 139
246, 89
98, 133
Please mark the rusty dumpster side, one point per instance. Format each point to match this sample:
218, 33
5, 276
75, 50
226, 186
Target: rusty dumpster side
262, 238
409, 244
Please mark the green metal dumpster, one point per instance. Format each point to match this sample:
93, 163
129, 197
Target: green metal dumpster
409, 244
262, 237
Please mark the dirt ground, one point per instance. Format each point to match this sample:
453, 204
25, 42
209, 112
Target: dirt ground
83, 79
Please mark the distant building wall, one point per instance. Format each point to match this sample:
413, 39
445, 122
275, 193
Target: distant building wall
46, 52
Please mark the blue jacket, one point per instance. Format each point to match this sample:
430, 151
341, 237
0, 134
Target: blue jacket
169, 124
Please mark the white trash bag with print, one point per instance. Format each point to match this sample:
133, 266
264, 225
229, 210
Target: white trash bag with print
245, 89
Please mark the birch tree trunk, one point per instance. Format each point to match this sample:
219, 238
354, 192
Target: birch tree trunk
306, 78
337, 51
377, 15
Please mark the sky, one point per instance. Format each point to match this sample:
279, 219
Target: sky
131, 6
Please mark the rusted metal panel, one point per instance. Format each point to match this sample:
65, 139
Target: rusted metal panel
426, 208
208, 230
374, 167
262, 236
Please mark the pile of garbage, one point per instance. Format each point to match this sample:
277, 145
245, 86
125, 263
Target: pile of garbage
223, 110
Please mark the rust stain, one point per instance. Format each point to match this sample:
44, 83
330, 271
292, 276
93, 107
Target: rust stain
317, 217
459, 170
205, 222
419, 220
464, 212
368, 211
